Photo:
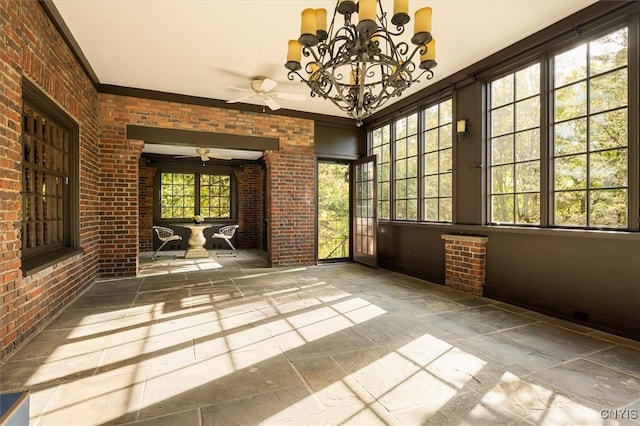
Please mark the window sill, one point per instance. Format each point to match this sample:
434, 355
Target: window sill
36, 264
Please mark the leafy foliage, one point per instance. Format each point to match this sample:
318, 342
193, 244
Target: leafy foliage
333, 211
183, 195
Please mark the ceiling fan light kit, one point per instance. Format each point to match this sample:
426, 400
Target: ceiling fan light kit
359, 66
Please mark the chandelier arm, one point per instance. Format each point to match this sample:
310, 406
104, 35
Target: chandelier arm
306, 51
344, 39
422, 48
339, 89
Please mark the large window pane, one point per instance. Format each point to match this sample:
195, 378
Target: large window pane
502, 179
608, 169
608, 130
528, 176
502, 150
381, 147
570, 137
608, 208
514, 141
571, 101
406, 167
502, 209
591, 152
605, 91
571, 208
527, 145
528, 208
570, 66
502, 121
183, 195
528, 82
608, 52
502, 91
571, 172
215, 196
528, 114
437, 162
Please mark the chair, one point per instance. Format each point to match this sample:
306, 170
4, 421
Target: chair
165, 235
226, 233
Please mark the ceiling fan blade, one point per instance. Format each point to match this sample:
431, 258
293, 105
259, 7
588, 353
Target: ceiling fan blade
273, 105
220, 157
243, 98
289, 96
268, 85
237, 88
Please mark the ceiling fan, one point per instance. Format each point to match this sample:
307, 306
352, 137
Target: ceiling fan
205, 154
262, 87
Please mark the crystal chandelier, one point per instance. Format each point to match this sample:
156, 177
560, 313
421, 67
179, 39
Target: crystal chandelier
358, 66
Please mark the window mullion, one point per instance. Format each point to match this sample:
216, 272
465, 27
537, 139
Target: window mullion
546, 138
392, 171
197, 194
633, 129
420, 166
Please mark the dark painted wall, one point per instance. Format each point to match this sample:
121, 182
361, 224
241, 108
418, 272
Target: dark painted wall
339, 142
468, 171
589, 277
559, 272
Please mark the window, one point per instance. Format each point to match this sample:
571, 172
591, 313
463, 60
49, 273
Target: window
49, 180
414, 165
183, 195
586, 177
515, 147
215, 196
590, 165
406, 168
437, 163
381, 147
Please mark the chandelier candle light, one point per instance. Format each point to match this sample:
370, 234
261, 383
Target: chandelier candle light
359, 66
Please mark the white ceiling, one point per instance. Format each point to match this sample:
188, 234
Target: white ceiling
200, 47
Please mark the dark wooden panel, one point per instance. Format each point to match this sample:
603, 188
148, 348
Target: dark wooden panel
347, 142
588, 277
204, 139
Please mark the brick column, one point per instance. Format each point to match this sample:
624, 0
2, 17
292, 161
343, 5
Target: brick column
465, 262
145, 205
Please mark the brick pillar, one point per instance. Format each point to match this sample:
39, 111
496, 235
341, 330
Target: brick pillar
465, 262
145, 205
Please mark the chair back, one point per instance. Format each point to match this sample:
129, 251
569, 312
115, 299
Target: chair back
228, 231
163, 233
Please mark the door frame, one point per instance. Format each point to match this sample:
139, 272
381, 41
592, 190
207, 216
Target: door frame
367, 224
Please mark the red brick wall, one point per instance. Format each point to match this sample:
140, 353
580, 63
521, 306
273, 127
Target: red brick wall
291, 207
110, 173
289, 175
250, 206
32, 47
145, 204
118, 203
465, 263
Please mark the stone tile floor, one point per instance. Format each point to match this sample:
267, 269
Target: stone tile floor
229, 341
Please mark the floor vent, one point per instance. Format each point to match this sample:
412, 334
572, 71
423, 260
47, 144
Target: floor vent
581, 316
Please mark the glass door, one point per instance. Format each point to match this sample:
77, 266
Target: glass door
333, 211
365, 217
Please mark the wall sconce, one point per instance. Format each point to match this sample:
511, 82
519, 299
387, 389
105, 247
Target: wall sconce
462, 127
